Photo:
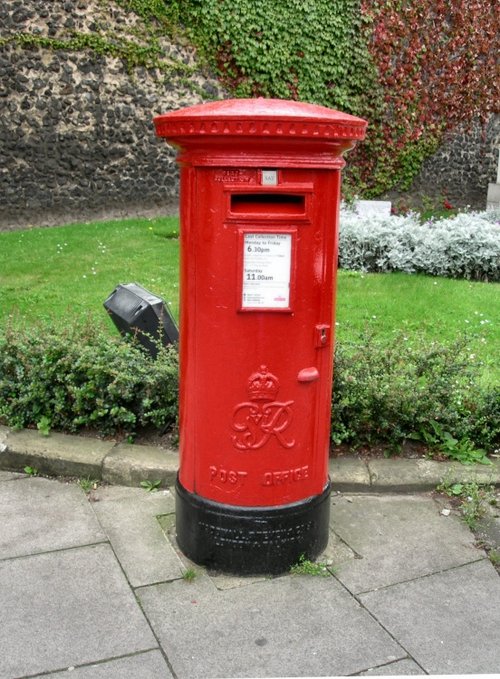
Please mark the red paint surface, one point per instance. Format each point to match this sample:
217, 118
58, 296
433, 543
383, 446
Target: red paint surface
256, 382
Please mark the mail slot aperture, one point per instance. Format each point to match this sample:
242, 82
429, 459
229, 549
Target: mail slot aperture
268, 204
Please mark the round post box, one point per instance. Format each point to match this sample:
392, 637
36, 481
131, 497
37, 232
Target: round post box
260, 193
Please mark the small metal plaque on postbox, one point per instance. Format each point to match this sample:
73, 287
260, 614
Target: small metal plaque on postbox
269, 177
267, 259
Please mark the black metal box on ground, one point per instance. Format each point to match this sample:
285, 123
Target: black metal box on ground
136, 311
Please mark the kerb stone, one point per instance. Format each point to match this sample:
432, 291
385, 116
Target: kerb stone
405, 475
57, 454
454, 472
128, 465
349, 475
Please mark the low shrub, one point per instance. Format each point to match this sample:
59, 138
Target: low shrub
80, 377
482, 422
383, 391
388, 391
464, 246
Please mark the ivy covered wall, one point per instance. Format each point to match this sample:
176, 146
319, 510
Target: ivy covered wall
81, 80
415, 70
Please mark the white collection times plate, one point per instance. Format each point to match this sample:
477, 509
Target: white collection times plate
266, 270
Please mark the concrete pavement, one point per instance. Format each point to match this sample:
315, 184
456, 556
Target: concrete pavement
93, 586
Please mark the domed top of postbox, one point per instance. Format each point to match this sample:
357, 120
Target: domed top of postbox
253, 118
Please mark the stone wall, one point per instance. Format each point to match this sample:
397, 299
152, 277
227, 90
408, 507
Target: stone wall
76, 133
463, 166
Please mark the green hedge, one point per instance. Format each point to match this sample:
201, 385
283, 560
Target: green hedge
312, 50
393, 390
384, 392
402, 65
81, 377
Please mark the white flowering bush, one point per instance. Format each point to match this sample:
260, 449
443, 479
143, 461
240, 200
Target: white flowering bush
464, 246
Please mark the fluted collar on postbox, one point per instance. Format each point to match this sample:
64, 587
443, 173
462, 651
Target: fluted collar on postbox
257, 130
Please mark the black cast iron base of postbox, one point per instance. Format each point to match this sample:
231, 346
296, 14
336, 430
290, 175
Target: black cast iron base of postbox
251, 540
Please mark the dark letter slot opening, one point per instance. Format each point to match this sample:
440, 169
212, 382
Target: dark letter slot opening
268, 203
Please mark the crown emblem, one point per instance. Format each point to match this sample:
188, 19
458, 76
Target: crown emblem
262, 385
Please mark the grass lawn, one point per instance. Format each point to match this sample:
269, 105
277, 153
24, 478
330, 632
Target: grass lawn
67, 272
418, 306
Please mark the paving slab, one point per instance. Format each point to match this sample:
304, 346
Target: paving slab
129, 519
288, 626
59, 454
404, 667
39, 515
488, 526
337, 552
449, 622
397, 538
64, 609
128, 465
11, 476
149, 665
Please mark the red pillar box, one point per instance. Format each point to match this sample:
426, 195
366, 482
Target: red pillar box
260, 190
